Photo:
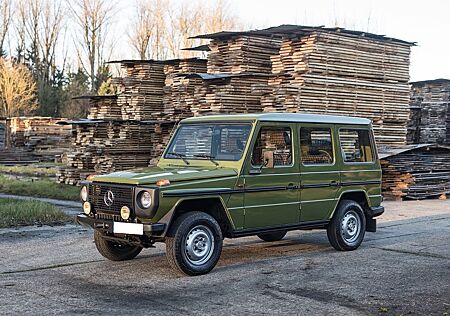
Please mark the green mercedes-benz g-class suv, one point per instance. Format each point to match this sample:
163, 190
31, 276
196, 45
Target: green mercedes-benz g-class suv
240, 175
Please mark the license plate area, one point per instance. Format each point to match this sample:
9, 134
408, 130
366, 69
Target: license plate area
128, 228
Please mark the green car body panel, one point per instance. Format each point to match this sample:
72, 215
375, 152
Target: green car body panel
256, 198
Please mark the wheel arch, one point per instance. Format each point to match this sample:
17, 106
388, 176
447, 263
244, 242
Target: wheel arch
359, 196
212, 205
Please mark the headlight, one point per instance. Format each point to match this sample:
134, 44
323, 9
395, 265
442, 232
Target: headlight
145, 199
84, 193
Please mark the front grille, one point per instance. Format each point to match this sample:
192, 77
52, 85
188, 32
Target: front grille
115, 218
123, 196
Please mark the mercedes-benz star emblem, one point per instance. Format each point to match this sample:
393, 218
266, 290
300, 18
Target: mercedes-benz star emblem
108, 198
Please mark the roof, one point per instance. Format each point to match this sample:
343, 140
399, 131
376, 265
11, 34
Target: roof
104, 121
281, 117
200, 48
432, 81
154, 61
289, 29
388, 152
95, 97
223, 75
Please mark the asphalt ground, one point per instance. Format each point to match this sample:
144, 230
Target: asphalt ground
402, 269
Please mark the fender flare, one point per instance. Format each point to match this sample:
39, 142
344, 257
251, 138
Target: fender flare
168, 218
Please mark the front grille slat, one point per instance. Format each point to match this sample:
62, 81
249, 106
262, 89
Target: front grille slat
123, 196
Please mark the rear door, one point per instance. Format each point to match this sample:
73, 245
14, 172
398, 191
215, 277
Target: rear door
271, 196
360, 168
319, 171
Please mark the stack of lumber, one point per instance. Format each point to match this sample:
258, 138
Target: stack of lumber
229, 95
141, 90
41, 136
430, 112
242, 53
103, 107
105, 146
2, 135
237, 70
331, 72
417, 173
179, 89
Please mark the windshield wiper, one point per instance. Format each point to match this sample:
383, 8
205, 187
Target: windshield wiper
211, 158
179, 155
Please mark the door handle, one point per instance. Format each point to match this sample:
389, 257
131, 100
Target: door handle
291, 186
334, 184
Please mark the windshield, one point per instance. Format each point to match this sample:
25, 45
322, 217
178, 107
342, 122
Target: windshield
209, 141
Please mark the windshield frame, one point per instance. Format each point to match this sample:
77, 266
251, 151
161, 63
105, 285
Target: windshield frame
166, 158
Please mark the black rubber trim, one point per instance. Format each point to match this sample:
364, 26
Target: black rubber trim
317, 185
304, 225
228, 191
105, 225
375, 211
349, 183
273, 188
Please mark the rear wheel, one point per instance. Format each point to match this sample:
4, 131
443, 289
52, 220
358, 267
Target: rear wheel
113, 250
194, 243
347, 228
275, 236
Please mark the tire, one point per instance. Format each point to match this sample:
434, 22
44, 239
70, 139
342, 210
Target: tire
194, 243
275, 236
348, 226
115, 251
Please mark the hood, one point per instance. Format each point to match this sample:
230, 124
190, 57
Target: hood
152, 174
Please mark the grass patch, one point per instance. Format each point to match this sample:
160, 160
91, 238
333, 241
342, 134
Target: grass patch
37, 169
28, 212
45, 188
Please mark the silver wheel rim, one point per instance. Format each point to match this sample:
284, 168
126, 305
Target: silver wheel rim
199, 245
350, 227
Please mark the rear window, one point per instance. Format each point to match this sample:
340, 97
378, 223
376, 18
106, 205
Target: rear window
356, 145
316, 146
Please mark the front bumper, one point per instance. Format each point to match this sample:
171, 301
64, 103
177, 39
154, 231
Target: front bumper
109, 226
376, 211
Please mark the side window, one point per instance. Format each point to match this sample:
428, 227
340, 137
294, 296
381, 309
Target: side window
316, 146
356, 146
276, 140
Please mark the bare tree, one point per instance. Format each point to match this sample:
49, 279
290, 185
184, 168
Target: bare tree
5, 20
143, 26
93, 18
219, 18
162, 27
185, 22
51, 18
17, 89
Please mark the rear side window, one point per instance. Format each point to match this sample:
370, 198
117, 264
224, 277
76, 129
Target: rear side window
356, 146
277, 140
316, 146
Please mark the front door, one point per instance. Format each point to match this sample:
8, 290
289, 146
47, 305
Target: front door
319, 176
271, 196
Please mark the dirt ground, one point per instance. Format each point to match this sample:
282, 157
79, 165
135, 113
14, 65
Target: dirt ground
403, 268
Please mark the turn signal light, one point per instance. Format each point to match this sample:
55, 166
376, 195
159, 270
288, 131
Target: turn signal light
161, 183
87, 208
90, 177
125, 212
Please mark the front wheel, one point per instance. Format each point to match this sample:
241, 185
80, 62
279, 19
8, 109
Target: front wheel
347, 228
194, 243
113, 250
